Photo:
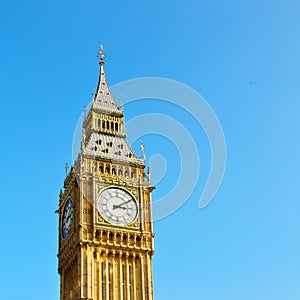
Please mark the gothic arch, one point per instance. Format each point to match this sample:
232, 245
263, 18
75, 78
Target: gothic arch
126, 173
107, 169
120, 171
113, 171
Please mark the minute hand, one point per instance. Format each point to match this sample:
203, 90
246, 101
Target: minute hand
124, 203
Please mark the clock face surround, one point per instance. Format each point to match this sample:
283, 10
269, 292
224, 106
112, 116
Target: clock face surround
117, 206
67, 218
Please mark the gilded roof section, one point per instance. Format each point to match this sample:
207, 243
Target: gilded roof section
111, 147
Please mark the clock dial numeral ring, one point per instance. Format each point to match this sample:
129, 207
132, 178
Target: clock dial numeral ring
67, 218
117, 206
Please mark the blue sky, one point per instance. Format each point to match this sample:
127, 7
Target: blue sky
241, 56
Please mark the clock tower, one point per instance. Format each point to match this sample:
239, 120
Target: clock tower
105, 221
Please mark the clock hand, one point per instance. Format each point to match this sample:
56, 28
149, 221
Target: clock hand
118, 206
125, 202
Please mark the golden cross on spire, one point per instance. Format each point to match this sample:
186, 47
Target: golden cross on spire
66, 168
101, 55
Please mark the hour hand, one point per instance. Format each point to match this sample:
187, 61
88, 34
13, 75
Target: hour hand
119, 206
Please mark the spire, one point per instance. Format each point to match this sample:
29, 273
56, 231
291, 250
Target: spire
104, 134
103, 98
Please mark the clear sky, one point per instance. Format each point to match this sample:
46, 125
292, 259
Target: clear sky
241, 56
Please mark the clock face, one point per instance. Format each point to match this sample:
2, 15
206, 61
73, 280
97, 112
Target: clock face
67, 218
117, 206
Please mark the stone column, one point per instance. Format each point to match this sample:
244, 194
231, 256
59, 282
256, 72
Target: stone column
113, 277
127, 278
142, 278
149, 271
106, 278
133, 277
120, 287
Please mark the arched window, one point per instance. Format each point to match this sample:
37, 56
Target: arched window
101, 168
107, 170
138, 241
97, 234
126, 173
113, 171
112, 125
132, 174
107, 125
118, 238
124, 238
103, 124
116, 127
131, 240
104, 236
120, 172
110, 237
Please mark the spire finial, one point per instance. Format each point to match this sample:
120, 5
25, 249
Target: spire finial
121, 102
101, 55
143, 150
66, 168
